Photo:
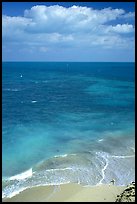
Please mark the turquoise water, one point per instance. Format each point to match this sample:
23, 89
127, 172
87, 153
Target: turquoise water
67, 122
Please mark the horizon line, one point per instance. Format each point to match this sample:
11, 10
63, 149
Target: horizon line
79, 61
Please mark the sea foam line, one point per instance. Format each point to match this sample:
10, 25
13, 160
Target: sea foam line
103, 170
14, 193
64, 155
62, 169
122, 157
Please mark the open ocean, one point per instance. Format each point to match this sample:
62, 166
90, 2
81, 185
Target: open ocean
67, 122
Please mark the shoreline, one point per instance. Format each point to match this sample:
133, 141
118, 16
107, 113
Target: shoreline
22, 191
68, 193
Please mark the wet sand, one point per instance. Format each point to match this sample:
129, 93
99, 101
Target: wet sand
69, 193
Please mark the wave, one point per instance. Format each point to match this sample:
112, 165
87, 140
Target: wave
22, 176
87, 169
12, 194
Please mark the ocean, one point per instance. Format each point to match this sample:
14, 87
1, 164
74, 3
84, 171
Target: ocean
67, 122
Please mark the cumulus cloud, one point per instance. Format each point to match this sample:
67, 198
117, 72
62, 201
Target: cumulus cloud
68, 20
60, 26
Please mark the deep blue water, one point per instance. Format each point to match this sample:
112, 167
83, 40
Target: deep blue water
81, 112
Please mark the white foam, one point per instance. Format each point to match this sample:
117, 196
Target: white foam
122, 157
104, 168
106, 156
100, 140
22, 176
61, 169
53, 184
33, 101
64, 155
12, 194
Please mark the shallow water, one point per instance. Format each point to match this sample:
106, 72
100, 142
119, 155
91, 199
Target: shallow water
84, 111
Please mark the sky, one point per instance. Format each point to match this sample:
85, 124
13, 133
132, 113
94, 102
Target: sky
68, 31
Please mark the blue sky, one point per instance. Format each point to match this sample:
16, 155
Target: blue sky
68, 31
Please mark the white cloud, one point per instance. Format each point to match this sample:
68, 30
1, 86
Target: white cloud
129, 15
121, 28
68, 20
74, 26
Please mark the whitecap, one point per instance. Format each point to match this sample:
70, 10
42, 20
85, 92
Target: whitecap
100, 140
22, 176
33, 101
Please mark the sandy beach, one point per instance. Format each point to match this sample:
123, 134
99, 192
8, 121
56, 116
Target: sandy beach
69, 193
